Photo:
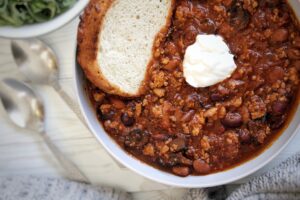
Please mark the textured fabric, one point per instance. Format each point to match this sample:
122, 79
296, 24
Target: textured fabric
281, 183
38, 188
206, 194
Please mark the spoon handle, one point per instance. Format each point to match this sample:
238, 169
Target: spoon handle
70, 102
73, 171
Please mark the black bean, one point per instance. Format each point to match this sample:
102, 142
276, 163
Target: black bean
136, 138
279, 107
232, 120
239, 17
190, 152
276, 121
106, 115
131, 105
169, 161
127, 120
160, 161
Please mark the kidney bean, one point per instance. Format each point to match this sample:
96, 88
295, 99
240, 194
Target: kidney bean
159, 136
280, 35
271, 3
117, 103
296, 42
188, 116
276, 73
216, 97
296, 64
177, 144
293, 54
279, 107
190, 35
127, 120
181, 171
201, 167
232, 120
208, 26
178, 114
244, 135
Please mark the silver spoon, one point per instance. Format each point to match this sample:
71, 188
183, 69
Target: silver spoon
39, 64
26, 110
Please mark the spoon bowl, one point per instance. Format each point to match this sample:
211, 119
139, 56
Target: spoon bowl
26, 110
22, 104
35, 60
38, 63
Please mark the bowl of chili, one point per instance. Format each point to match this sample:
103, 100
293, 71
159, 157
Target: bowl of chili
248, 145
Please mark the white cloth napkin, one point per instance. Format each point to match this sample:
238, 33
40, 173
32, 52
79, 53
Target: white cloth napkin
42, 188
281, 183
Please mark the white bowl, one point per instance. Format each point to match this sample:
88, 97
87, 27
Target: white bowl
37, 29
147, 171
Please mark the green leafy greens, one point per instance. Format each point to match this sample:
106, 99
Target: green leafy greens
20, 12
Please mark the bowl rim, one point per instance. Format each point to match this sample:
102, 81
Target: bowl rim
38, 29
180, 181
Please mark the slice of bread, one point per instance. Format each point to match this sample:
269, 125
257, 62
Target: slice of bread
115, 42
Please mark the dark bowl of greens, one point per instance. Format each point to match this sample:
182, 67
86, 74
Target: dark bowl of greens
31, 18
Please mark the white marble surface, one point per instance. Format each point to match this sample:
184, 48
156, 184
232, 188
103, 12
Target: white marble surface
23, 152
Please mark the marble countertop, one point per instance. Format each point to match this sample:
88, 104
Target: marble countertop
23, 152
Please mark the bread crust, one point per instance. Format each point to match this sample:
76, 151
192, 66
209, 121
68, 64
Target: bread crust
87, 46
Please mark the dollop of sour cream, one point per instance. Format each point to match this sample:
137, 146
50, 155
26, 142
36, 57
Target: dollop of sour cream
208, 61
